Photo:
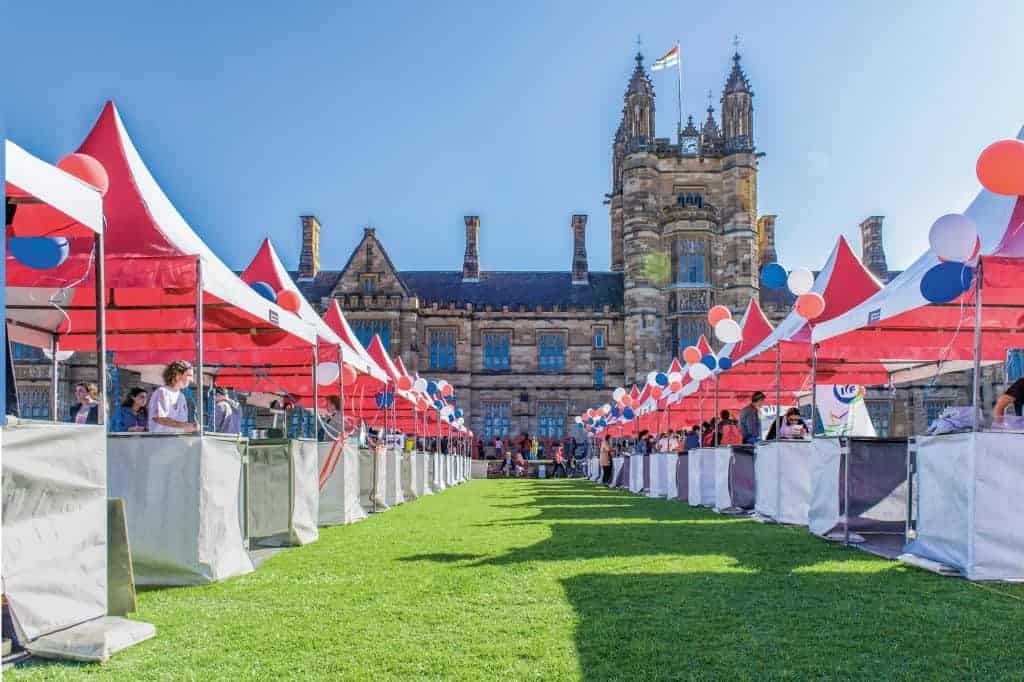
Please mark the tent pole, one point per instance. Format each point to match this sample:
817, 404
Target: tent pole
199, 346
316, 383
976, 387
341, 395
778, 389
814, 387
54, 345
101, 329
718, 428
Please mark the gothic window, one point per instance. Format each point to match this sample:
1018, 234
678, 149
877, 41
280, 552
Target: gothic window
598, 375
551, 352
880, 412
368, 284
34, 403
688, 331
365, 329
689, 261
442, 348
496, 351
496, 420
600, 340
551, 419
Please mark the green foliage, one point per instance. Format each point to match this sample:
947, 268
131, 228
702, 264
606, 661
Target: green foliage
657, 268
565, 580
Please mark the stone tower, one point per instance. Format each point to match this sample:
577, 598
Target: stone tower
683, 220
872, 250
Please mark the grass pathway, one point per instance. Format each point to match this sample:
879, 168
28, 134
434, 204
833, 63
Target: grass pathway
565, 580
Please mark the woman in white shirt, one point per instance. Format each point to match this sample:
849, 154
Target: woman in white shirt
168, 409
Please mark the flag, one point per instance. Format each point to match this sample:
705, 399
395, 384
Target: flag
670, 59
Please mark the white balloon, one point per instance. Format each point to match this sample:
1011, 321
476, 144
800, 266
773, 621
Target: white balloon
618, 393
62, 355
727, 331
606, 408
445, 411
700, 371
800, 281
578, 420
420, 385
327, 373
953, 237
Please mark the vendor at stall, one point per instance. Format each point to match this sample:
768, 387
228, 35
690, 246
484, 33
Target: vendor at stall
793, 426
168, 409
750, 419
227, 414
86, 411
133, 410
1011, 400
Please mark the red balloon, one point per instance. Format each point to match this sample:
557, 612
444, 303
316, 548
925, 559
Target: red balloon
266, 337
348, 375
691, 355
675, 386
656, 392
716, 315
1000, 167
87, 169
289, 300
404, 383
447, 390
810, 306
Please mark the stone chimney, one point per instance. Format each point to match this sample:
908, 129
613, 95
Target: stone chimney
309, 258
580, 270
471, 262
872, 250
766, 241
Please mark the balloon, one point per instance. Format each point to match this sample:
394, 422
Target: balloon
420, 385
945, 281
675, 386
615, 412
618, 393
952, 237
800, 281
446, 410
606, 408
628, 414
709, 361
657, 392
691, 355
348, 375
458, 414
699, 371
578, 420
438, 404
661, 379
1000, 167
39, 253
810, 306
404, 383
673, 377
724, 363
327, 373
266, 337
728, 331
87, 169
431, 388
447, 390
289, 300
773, 276
265, 290
717, 314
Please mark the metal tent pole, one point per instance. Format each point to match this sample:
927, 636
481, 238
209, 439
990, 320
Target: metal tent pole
778, 389
316, 382
814, 387
718, 428
976, 388
101, 329
54, 346
199, 346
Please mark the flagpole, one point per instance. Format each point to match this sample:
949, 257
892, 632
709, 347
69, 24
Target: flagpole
679, 93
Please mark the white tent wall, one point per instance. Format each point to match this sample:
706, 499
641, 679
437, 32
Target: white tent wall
439, 476
282, 491
966, 493
366, 479
339, 483
391, 458
408, 466
701, 480
594, 470
54, 525
723, 496
659, 474
636, 473
823, 513
783, 472
421, 466
182, 500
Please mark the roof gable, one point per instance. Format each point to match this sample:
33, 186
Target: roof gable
370, 258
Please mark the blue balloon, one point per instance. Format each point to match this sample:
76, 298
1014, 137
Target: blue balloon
384, 399
431, 387
40, 253
438, 404
724, 363
265, 290
709, 361
451, 419
615, 412
602, 423
458, 414
661, 379
773, 276
627, 413
946, 281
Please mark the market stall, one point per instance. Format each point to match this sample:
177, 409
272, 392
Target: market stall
339, 482
782, 469
281, 491
734, 479
701, 473
636, 473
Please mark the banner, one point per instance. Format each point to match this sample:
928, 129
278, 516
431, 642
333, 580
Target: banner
843, 412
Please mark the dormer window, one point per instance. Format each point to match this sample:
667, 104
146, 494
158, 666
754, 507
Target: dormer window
368, 284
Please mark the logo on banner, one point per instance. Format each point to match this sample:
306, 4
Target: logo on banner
273, 316
874, 315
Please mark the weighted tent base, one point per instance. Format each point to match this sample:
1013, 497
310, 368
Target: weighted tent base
94, 641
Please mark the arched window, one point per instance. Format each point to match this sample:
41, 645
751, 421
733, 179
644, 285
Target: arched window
689, 261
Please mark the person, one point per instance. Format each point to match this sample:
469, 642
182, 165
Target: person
332, 425
168, 409
793, 425
534, 447
560, 462
86, 410
479, 448
750, 419
519, 464
605, 460
664, 443
507, 466
498, 448
728, 431
708, 438
132, 412
692, 440
227, 414
1011, 400
572, 458
674, 442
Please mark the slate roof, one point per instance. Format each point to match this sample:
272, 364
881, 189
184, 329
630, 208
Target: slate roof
495, 288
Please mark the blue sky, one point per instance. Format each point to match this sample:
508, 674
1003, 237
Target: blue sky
410, 115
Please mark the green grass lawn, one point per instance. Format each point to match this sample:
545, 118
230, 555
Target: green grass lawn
565, 580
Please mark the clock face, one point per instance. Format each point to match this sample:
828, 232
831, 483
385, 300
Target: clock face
689, 145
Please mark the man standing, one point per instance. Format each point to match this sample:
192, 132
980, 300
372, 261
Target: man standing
1011, 401
227, 414
750, 419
